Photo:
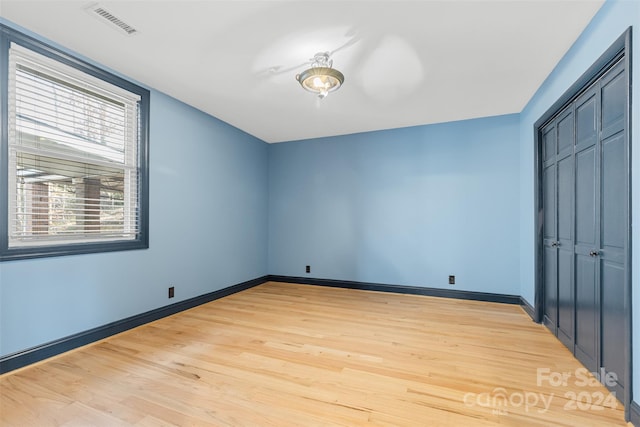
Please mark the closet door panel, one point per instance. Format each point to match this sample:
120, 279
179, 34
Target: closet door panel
586, 120
566, 298
614, 99
587, 296
566, 301
613, 216
586, 342
613, 323
586, 199
549, 144
565, 134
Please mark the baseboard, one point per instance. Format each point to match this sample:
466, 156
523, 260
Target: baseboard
26, 357
528, 308
634, 414
414, 290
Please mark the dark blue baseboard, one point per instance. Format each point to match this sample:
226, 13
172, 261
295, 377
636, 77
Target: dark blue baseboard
414, 290
44, 351
528, 308
634, 414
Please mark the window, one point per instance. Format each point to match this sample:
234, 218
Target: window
74, 148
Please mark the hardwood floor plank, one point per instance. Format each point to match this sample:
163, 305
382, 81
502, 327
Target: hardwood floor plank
288, 355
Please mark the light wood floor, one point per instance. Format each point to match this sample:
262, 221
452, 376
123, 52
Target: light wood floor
297, 355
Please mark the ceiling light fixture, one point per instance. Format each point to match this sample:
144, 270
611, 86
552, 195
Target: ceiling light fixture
321, 78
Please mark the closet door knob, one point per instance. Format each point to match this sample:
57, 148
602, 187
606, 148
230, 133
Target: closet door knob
594, 253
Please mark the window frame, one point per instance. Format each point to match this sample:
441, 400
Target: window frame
8, 36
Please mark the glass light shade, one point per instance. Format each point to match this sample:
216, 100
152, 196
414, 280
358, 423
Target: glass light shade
320, 80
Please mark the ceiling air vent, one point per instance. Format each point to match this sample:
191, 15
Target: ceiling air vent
110, 19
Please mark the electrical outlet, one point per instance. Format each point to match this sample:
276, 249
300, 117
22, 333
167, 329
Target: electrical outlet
308, 269
452, 280
171, 292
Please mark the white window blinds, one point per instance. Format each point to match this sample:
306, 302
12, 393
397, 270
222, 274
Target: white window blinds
74, 167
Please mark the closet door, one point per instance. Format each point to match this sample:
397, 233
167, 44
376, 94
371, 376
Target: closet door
613, 224
549, 184
584, 280
565, 245
587, 335
559, 313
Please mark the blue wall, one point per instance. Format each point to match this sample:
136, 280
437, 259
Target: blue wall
406, 207
609, 23
208, 230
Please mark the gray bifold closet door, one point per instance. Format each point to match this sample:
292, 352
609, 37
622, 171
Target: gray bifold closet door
585, 224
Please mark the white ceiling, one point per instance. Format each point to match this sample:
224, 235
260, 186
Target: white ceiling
405, 63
